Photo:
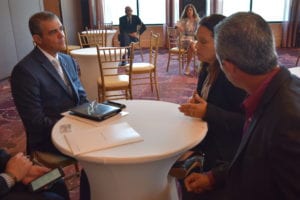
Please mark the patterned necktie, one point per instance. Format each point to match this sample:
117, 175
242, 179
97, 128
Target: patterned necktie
129, 20
59, 70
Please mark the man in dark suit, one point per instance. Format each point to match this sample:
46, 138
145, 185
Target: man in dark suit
128, 27
17, 172
266, 165
45, 83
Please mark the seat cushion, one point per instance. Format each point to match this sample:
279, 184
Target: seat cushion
138, 68
176, 50
115, 81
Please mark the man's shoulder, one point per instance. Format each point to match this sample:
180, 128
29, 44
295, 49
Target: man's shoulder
135, 16
30, 59
123, 17
65, 56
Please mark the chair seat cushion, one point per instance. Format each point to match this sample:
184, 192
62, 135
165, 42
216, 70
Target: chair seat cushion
141, 67
176, 50
115, 81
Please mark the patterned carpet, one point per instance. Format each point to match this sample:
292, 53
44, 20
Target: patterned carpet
172, 87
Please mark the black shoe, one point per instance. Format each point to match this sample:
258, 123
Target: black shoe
194, 163
123, 63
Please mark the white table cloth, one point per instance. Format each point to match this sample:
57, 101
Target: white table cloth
137, 171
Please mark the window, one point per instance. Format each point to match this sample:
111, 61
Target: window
270, 10
232, 6
150, 12
114, 9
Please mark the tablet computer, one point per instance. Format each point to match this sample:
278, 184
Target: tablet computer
95, 111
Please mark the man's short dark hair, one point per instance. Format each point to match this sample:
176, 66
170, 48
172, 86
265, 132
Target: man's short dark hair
35, 21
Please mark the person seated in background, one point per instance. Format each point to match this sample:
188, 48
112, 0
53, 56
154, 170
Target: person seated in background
128, 28
187, 26
216, 101
266, 164
45, 84
17, 171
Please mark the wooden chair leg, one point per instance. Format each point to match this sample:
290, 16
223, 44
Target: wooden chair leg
168, 62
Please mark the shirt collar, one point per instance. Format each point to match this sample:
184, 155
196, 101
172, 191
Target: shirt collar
50, 57
251, 102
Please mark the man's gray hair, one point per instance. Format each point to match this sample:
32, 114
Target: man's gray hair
36, 19
246, 40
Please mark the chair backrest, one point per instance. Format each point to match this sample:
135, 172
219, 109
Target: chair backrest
137, 45
92, 38
109, 59
173, 36
153, 50
105, 26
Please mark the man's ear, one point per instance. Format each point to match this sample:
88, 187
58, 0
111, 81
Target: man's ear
37, 39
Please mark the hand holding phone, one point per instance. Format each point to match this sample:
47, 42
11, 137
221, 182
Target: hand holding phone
45, 180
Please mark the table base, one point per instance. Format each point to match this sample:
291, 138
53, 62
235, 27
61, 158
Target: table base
140, 181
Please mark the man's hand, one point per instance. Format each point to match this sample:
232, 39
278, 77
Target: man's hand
34, 172
195, 108
198, 182
18, 166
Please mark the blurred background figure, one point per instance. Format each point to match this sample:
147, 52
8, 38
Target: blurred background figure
187, 26
128, 28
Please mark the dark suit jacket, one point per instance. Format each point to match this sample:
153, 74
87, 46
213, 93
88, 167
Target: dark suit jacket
4, 157
225, 120
126, 27
41, 96
267, 163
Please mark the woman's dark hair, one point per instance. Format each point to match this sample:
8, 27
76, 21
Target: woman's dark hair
211, 21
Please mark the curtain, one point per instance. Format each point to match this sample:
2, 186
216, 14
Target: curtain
216, 6
169, 12
291, 28
96, 14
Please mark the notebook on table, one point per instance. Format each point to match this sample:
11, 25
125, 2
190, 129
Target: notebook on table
99, 138
95, 111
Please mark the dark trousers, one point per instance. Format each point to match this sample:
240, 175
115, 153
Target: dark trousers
126, 40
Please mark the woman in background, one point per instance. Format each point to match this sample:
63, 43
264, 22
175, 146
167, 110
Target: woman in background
187, 26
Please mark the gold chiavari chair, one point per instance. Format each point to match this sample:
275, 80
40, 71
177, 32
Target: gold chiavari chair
144, 73
92, 38
114, 81
176, 52
137, 45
